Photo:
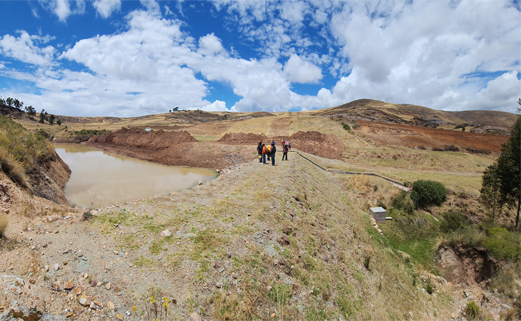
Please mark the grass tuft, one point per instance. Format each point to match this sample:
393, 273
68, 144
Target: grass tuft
4, 222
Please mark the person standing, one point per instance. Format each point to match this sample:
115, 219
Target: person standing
273, 150
268, 152
259, 151
264, 151
285, 149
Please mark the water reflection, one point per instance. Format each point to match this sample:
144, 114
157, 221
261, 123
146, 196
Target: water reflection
100, 179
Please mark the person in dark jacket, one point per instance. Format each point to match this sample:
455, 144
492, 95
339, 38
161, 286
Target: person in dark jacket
273, 150
259, 151
285, 149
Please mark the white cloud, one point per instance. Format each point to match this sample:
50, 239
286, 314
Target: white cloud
64, 8
24, 49
152, 6
210, 44
302, 71
441, 54
106, 7
215, 106
502, 91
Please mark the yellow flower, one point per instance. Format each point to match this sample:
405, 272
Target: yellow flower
134, 309
166, 305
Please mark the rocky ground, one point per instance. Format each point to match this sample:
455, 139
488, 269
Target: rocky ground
258, 242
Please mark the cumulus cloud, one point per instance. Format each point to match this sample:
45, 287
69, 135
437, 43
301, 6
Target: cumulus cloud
440, 54
106, 7
501, 91
25, 49
210, 44
215, 106
301, 71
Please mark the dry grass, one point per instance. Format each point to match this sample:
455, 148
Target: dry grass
4, 222
13, 169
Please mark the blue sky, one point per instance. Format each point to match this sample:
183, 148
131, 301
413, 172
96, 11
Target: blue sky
131, 58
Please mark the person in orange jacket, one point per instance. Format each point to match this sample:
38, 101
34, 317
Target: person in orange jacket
264, 154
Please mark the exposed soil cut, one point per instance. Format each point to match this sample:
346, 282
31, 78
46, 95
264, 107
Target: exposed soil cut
323, 145
139, 138
49, 180
410, 136
182, 149
172, 148
466, 265
240, 138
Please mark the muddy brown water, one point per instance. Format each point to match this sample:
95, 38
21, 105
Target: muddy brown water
100, 179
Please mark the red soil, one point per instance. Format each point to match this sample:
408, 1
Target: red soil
410, 136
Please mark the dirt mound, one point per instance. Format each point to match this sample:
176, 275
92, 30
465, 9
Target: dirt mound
138, 138
241, 138
323, 145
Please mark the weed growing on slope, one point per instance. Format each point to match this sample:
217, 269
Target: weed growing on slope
4, 222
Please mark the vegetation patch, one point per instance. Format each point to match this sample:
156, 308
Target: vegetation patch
426, 193
4, 222
21, 151
502, 244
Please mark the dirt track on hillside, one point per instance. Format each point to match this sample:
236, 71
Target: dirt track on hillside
410, 136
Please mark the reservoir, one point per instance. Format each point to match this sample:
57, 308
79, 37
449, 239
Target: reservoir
100, 179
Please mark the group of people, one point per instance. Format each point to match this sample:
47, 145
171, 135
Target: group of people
269, 150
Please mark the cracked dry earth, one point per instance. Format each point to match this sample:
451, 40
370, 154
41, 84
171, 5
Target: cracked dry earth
106, 267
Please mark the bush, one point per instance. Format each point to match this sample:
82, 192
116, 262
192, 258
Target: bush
3, 225
453, 221
346, 127
472, 310
429, 289
451, 148
426, 193
403, 202
502, 244
479, 151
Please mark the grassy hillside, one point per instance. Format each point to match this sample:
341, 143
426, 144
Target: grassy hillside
21, 151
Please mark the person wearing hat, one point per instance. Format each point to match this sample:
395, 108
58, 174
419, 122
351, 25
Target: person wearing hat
285, 149
273, 150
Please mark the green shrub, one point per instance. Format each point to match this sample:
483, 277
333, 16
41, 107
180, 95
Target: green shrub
403, 202
472, 310
426, 193
429, 288
502, 244
346, 126
453, 221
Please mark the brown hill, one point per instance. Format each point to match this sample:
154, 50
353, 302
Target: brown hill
486, 117
374, 110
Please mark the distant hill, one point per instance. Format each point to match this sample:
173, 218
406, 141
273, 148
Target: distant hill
486, 117
483, 121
